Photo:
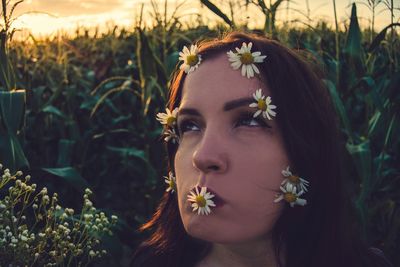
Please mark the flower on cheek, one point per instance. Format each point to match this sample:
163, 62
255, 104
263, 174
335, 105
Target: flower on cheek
168, 118
290, 195
245, 58
300, 183
170, 180
263, 105
201, 201
191, 59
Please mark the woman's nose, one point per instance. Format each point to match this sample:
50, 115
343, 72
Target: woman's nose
210, 155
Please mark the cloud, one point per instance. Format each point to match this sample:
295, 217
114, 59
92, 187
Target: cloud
64, 8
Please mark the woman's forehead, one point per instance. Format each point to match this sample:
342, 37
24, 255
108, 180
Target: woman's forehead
215, 80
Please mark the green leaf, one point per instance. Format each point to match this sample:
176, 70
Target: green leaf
12, 115
70, 175
53, 110
11, 153
361, 154
12, 110
353, 42
353, 48
339, 107
373, 93
128, 152
65, 150
393, 131
218, 12
380, 37
171, 62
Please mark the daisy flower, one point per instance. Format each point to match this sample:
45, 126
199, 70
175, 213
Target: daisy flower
170, 134
168, 118
171, 182
245, 58
295, 180
290, 196
263, 104
191, 59
201, 201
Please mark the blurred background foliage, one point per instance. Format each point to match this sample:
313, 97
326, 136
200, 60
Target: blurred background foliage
92, 100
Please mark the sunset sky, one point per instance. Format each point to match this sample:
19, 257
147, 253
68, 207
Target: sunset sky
49, 16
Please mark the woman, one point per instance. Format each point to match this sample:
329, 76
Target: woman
254, 158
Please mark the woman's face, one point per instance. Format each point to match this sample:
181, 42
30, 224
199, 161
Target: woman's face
224, 149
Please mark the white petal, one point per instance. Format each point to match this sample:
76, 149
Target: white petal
235, 65
256, 54
265, 115
259, 93
257, 113
253, 105
210, 203
272, 113
301, 202
249, 46
243, 70
259, 59
255, 69
250, 72
279, 198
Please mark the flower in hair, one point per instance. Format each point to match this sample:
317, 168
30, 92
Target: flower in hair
169, 118
201, 201
170, 180
300, 183
290, 195
191, 59
171, 135
245, 58
263, 104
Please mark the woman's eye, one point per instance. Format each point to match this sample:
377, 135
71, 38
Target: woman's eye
251, 122
186, 126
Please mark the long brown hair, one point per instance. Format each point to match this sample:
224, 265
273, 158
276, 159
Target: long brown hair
318, 234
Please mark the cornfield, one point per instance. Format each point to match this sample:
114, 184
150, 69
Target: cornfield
91, 100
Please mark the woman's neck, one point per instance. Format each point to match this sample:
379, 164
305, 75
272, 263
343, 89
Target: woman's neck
255, 253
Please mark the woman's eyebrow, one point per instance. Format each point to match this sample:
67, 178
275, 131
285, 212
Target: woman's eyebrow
238, 103
188, 111
227, 106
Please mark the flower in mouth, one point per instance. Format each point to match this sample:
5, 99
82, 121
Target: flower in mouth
191, 59
245, 58
169, 118
291, 196
171, 182
201, 201
300, 183
264, 105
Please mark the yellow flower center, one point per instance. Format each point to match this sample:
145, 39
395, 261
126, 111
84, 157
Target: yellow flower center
246, 58
201, 201
261, 104
294, 179
171, 120
192, 60
290, 197
171, 184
